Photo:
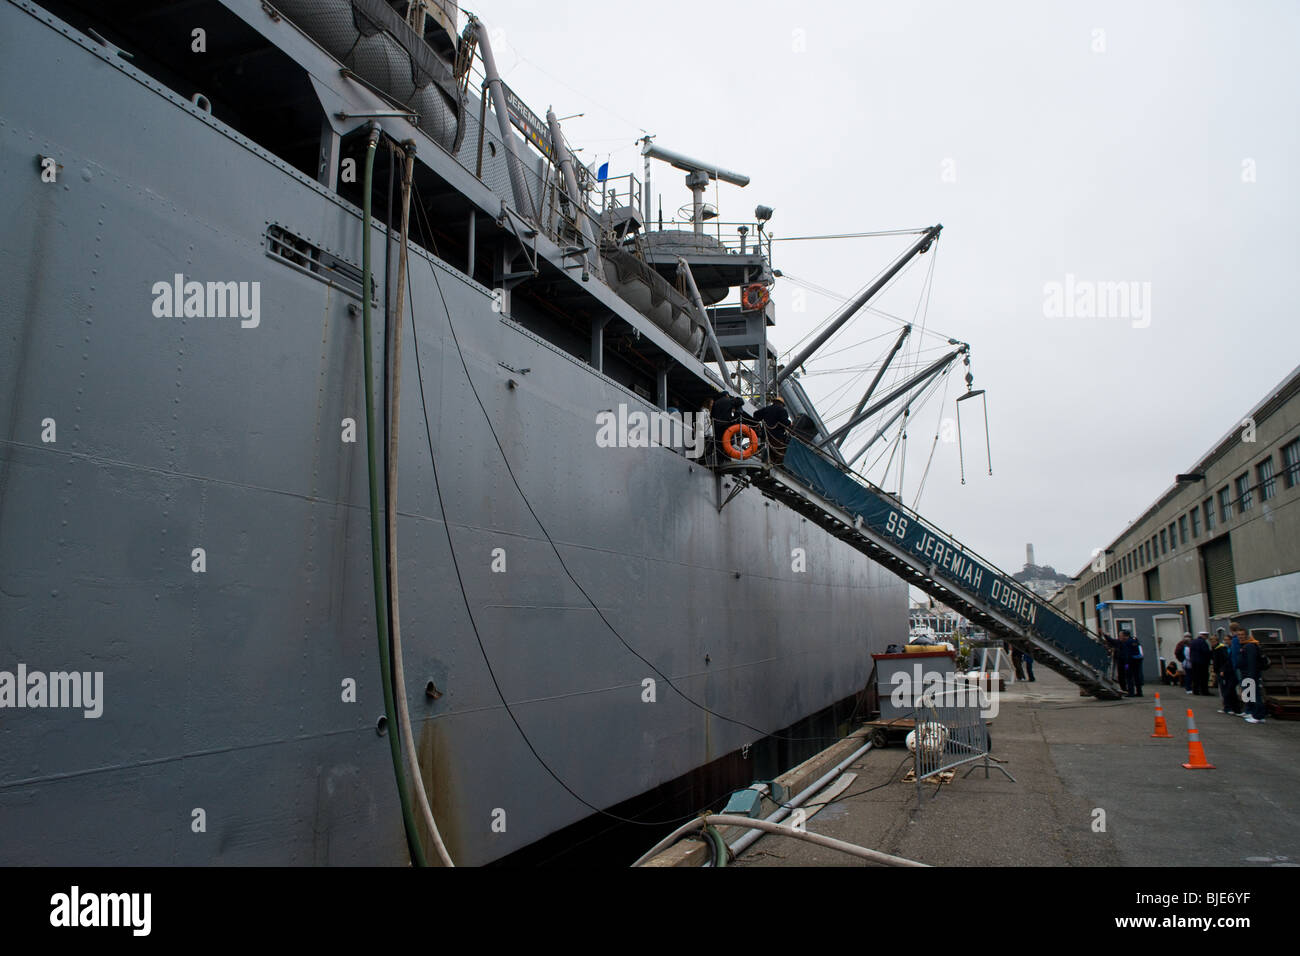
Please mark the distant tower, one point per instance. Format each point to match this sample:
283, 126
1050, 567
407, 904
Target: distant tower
1029, 555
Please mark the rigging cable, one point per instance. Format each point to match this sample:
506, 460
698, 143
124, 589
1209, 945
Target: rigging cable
947, 380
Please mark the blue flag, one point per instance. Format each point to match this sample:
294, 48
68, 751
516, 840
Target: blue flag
602, 174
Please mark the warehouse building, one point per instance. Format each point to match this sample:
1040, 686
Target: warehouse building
1224, 539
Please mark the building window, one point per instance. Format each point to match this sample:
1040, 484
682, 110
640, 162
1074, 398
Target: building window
1245, 496
1164, 541
1207, 507
1267, 483
1225, 504
1291, 464
1173, 536
1182, 528
1196, 522
1155, 549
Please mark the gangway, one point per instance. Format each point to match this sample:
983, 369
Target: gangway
877, 524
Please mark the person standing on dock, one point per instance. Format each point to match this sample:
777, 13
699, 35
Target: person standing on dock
1252, 669
1198, 655
1133, 660
1225, 675
1018, 662
1029, 666
1236, 632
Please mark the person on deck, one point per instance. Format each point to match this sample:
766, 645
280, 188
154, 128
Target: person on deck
775, 422
725, 410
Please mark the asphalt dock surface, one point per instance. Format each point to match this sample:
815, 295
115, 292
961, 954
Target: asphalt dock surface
1072, 757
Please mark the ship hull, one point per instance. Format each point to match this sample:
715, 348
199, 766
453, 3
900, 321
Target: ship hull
229, 731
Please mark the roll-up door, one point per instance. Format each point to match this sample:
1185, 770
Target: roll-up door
1220, 578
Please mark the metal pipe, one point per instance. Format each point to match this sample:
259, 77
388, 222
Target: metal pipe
780, 813
852, 307
561, 148
645, 187
866, 397
493, 79
697, 300
917, 379
694, 165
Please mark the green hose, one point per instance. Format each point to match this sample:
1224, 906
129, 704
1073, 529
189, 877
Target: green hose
376, 546
719, 845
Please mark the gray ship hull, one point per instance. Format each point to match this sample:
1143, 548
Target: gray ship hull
224, 697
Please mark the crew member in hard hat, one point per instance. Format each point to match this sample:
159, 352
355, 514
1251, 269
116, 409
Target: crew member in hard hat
776, 428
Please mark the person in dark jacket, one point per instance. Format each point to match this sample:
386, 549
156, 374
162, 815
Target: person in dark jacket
1133, 666
1018, 662
1198, 653
1225, 675
725, 411
1252, 687
775, 421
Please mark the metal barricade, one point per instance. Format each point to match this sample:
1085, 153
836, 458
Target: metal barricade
950, 730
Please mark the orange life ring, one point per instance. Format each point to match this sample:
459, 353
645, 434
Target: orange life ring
734, 452
753, 297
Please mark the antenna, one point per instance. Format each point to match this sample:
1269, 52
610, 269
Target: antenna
698, 174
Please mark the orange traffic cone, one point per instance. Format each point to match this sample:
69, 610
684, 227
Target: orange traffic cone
1195, 752
1162, 729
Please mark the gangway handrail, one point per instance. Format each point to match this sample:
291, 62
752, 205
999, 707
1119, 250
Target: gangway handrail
1023, 611
919, 519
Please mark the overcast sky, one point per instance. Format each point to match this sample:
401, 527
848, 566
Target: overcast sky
1150, 143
